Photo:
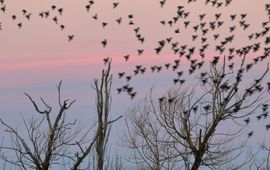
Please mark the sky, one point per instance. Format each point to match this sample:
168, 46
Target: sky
36, 57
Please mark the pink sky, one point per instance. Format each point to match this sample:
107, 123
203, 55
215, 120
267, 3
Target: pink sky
37, 57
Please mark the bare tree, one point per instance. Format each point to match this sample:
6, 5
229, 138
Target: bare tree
56, 141
185, 128
103, 106
262, 160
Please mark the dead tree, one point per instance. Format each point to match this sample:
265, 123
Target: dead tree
185, 128
103, 106
55, 141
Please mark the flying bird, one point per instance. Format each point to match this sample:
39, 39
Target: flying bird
70, 37
119, 20
53, 7
115, 4
106, 60
60, 10
126, 57
162, 3
104, 43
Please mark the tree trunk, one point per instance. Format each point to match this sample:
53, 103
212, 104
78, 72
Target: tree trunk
198, 160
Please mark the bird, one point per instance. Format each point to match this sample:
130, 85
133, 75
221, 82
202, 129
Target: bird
55, 20
24, 11
163, 22
91, 2
268, 86
217, 16
115, 4
128, 78
41, 14
47, 13
119, 20
121, 74
233, 16
13, 17
95, 17
53, 7
162, 3
140, 51
126, 57
243, 16
19, 25
70, 37
250, 134
104, 43
247, 120
60, 10
104, 24
130, 16
161, 99
171, 100
167, 65
195, 108
132, 95
87, 7
206, 107
28, 16
202, 16
119, 90
227, 2
180, 73
106, 60
267, 126
62, 27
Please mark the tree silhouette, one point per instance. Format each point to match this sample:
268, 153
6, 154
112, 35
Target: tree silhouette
57, 141
184, 128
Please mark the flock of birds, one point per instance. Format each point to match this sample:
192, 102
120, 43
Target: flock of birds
204, 33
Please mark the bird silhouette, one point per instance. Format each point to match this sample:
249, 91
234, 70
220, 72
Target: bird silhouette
233, 16
95, 17
247, 120
62, 27
115, 4
128, 78
130, 16
13, 17
53, 7
126, 57
19, 25
121, 74
28, 16
60, 11
132, 95
267, 126
70, 37
104, 24
106, 60
104, 43
55, 20
119, 20
119, 90
250, 134
24, 11
87, 7
162, 3
268, 86
140, 51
